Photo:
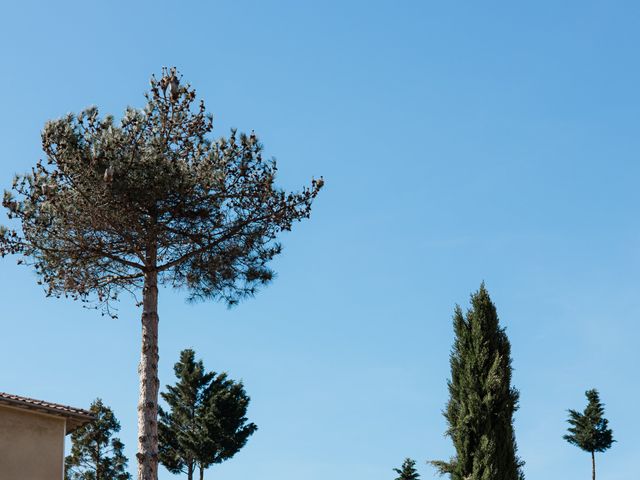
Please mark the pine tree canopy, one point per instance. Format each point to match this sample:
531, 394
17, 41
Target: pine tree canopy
408, 470
95, 453
206, 422
116, 199
482, 401
590, 430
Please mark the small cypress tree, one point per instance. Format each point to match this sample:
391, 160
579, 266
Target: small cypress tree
482, 401
590, 430
96, 454
206, 423
408, 470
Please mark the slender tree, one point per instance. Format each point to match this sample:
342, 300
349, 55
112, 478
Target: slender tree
147, 201
95, 453
590, 430
206, 423
482, 401
408, 470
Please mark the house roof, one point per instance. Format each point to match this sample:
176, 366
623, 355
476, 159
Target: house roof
76, 417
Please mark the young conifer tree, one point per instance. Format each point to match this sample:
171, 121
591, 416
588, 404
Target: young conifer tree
148, 201
482, 401
590, 430
95, 453
408, 470
178, 428
206, 422
223, 421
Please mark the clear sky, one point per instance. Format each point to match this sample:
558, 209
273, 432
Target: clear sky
459, 141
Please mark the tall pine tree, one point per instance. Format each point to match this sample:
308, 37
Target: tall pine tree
482, 401
128, 206
206, 422
408, 470
95, 453
590, 430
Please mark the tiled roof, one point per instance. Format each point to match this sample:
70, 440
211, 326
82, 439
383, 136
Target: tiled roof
76, 417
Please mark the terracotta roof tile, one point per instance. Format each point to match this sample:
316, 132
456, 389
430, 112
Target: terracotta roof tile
76, 417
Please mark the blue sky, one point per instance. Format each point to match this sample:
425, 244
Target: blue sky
459, 142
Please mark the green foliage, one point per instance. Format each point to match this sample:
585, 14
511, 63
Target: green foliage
408, 470
151, 193
590, 430
178, 429
206, 423
482, 402
95, 453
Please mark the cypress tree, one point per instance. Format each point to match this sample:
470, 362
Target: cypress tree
95, 453
482, 401
408, 470
590, 430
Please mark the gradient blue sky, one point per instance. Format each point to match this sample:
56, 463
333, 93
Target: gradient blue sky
460, 142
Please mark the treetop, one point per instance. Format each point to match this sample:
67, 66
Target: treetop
152, 192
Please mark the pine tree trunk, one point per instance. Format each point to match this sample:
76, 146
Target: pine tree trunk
149, 384
190, 471
593, 466
201, 472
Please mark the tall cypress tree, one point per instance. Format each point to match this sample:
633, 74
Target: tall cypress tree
482, 401
96, 454
590, 430
408, 470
